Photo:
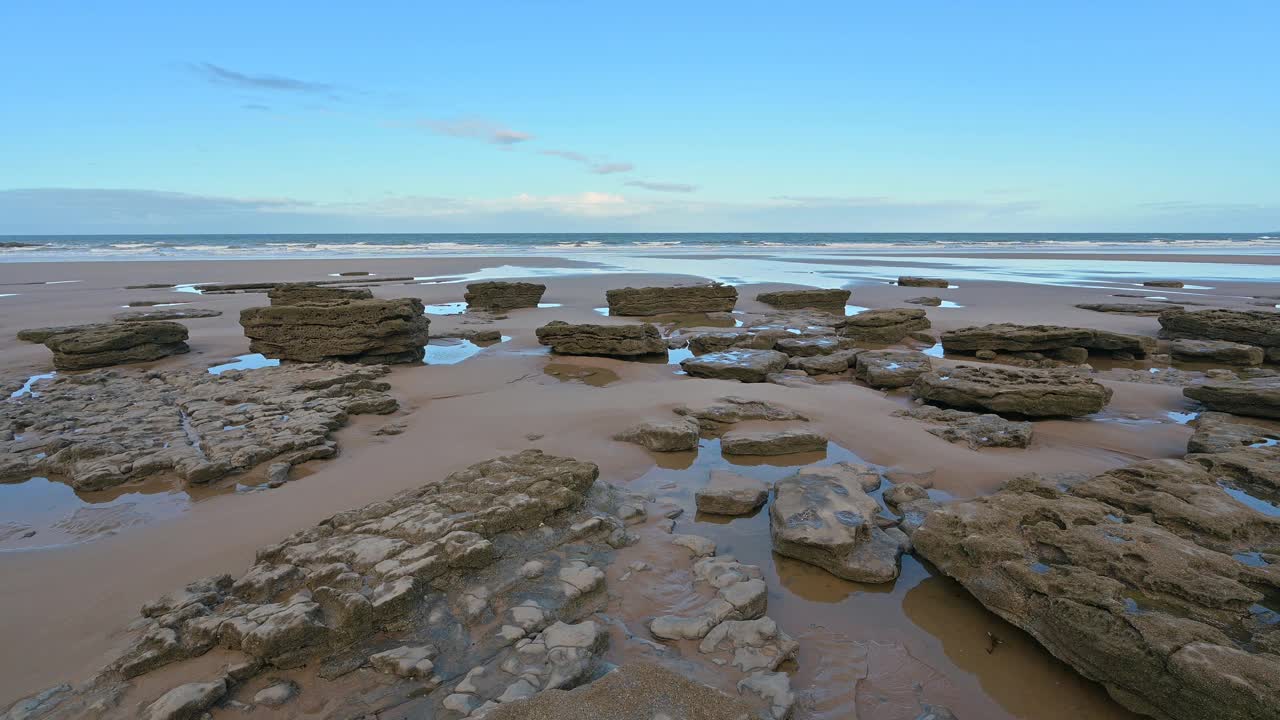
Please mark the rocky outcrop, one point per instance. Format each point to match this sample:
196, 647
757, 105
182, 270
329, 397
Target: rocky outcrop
771, 442
1047, 339
973, 429
817, 299
1020, 391
836, 362
1259, 328
83, 347
1256, 397
1217, 432
886, 326
662, 435
824, 516
498, 295
891, 368
742, 365
807, 346
1216, 351
1147, 579
1163, 283
108, 427
165, 314
712, 297
910, 281
925, 300
731, 409
610, 340
729, 493
709, 342
311, 324
1129, 308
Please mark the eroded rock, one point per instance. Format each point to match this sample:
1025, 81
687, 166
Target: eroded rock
1048, 339
311, 324
771, 442
741, 365
1255, 397
1021, 391
609, 340
732, 409
911, 281
662, 435
712, 297
813, 298
499, 295
728, 493
1259, 328
84, 347
888, 325
973, 429
891, 368
1216, 351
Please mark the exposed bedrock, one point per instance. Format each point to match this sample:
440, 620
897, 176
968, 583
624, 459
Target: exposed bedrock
1020, 391
311, 324
712, 297
1256, 397
973, 429
498, 295
610, 340
1009, 337
912, 281
1129, 308
1152, 580
891, 368
1259, 328
889, 325
83, 347
1216, 351
165, 314
742, 365
814, 298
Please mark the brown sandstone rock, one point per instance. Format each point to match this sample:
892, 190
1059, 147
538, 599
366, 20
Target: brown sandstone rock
891, 368
1009, 337
771, 442
497, 295
793, 299
1022, 391
889, 325
83, 347
910, 281
1259, 328
1256, 397
742, 365
612, 340
729, 493
679, 299
1216, 351
311, 324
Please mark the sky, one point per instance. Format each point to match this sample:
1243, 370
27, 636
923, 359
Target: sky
234, 117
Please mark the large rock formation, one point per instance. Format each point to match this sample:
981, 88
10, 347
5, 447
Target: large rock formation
743, 365
1259, 328
498, 295
83, 347
108, 427
888, 325
1151, 580
1257, 397
1009, 337
1216, 351
612, 340
794, 299
310, 324
771, 442
823, 515
1021, 391
713, 297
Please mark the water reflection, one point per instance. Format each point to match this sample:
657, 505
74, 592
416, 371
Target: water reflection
41, 513
451, 351
252, 361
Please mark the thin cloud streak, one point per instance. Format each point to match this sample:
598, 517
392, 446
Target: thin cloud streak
476, 129
597, 167
224, 76
667, 187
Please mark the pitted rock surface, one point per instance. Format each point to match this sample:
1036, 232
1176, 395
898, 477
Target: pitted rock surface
311, 324
795, 299
1022, 391
610, 340
1216, 351
888, 325
1260, 328
498, 295
742, 365
1256, 397
84, 347
107, 427
1048, 339
973, 429
891, 368
713, 297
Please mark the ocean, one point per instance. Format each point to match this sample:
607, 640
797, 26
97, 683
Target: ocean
27, 248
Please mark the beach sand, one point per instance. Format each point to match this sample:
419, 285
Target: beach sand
65, 610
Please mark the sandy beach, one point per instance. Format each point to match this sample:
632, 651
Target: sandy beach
69, 605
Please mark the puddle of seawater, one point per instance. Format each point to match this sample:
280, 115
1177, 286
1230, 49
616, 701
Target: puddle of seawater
1252, 559
451, 351
1182, 418
932, 635
585, 374
41, 513
1268, 442
851, 310
543, 306
8, 294
675, 355
934, 350
601, 311
950, 304
189, 288
28, 387
353, 274
449, 308
1252, 501
251, 361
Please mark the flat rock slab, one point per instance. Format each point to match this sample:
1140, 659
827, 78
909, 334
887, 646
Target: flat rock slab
729, 493
1142, 578
678, 299
1010, 337
1260, 328
891, 368
888, 325
1021, 391
166, 314
827, 519
744, 365
1255, 397
795, 299
771, 442
912, 281
608, 340
498, 295
83, 347
663, 435
1216, 351
807, 346
1163, 283
732, 409
925, 300
311, 324
1129, 308
973, 429
1218, 432
836, 362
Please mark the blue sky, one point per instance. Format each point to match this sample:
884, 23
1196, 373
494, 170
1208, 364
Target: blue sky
512, 117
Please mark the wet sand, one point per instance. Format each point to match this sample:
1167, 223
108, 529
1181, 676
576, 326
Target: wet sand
74, 602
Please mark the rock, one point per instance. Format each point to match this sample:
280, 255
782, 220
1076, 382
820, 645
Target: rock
806, 346
1163, 283
407, 661
884, 326
1022, 391
702, 343
1009, 337
278, 474
1217, 432
925, 300
276, 695
305, 293
742, 365
107, 427
83, 347
1129, 308
700, 546
891, 368
771, 442
186, 702
166, 314
731, 409
311, 324
611, 340
1129, 577
1255, 397
740, 595
772, 687
728, 493
836, 362
751, 644
662, 435
1259, 328
498, 295
712, 297
1219, 351
793, 299
972, 429
987, 355
909, 281
828, 520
